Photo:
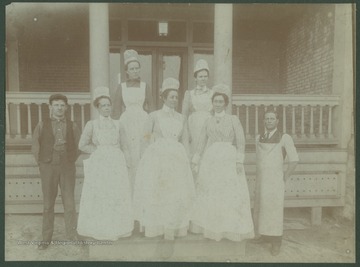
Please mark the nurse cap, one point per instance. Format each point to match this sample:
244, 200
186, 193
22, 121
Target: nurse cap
222, 89
170, 83
201, 64
131, 55
101, 91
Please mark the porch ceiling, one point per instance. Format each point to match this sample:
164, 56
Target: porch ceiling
44, 19
23, 13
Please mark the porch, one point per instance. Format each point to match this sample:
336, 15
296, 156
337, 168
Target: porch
319, 179
294, 57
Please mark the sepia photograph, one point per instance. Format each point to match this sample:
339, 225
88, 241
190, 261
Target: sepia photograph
180, 132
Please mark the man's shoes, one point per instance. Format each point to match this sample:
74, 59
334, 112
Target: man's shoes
260, 240
43, 246
275, 249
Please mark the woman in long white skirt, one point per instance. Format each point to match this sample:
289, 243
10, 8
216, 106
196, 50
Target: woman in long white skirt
197, 103
164, 187
105, 207
135, 98
222, 206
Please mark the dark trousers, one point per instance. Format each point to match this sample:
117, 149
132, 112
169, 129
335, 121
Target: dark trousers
58, 172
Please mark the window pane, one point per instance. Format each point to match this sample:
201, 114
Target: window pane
115, 76
171, 67
145, 59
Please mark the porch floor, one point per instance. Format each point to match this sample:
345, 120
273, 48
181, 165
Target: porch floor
332, 241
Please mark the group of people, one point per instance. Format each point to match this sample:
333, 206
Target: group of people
171, 172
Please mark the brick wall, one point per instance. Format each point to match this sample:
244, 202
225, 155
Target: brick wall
256, 66
307, 53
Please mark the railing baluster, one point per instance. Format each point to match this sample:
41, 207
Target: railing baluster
321, 135
256, 121
82, 116
330, 135
247, 131
18, 122
7, 120
312, 135
293, 132
29, 120
72, 112
302, 122
284, 119
39, 112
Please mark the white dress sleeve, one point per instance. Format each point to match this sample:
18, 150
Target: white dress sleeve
86, 143
239, 138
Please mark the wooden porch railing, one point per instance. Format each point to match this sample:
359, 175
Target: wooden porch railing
307, 118
25, 110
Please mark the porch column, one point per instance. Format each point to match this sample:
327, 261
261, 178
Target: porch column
223, 45
343, 83
99, 48
12, 75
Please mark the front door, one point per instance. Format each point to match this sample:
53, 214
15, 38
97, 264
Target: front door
157, 64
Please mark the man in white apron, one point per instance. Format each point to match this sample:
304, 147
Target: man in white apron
271, 149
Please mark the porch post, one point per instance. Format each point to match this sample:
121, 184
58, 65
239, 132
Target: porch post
223, 46
343, 83
99, 47
12, 73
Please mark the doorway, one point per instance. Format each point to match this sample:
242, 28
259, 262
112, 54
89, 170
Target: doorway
157, 64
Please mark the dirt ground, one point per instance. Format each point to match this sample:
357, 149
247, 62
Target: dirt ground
333, 241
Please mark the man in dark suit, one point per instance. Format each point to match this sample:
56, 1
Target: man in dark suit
55, 148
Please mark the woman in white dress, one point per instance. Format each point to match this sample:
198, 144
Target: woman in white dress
164, 188
222, 206
105, 211
197, 103
135, 97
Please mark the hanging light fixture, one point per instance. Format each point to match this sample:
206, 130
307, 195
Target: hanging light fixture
163, 28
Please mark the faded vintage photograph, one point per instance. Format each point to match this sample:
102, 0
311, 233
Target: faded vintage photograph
180, 132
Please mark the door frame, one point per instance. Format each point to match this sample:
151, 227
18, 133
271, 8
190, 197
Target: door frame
157, 75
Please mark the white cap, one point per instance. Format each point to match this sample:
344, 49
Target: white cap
222, 88
101, 91
170, 83
131, 55
201, 64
